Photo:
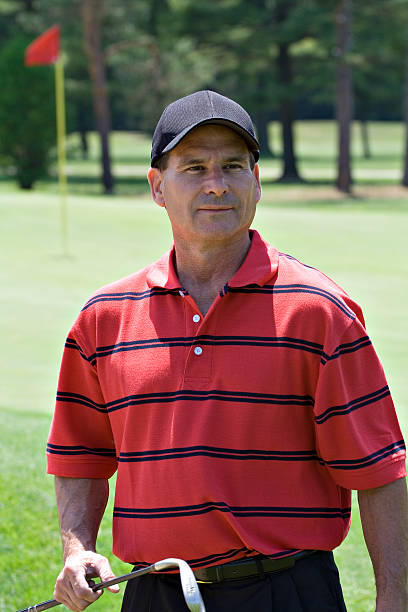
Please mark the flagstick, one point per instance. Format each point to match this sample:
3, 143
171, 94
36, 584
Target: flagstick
61, 140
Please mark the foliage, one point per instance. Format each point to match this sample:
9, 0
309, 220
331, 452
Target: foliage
158, 50
379, 39
27, 110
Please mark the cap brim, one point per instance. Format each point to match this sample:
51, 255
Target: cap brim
251, 142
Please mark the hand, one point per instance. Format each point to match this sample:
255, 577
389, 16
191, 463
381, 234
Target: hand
72, 588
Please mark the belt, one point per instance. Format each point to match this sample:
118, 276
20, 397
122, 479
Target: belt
258, 566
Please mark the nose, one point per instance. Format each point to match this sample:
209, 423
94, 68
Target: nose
216, 183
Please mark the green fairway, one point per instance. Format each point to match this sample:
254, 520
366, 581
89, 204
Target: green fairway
361, 242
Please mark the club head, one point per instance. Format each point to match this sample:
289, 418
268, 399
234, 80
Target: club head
189, 584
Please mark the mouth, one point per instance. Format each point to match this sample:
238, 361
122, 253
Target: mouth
215, 209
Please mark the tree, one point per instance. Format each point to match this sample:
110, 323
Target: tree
27, 111
344, 94
405, 107
92, 12
404, 181
151, 61
284, 65
258, 48
377, 60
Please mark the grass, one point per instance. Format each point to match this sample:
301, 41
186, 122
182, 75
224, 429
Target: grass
359, 241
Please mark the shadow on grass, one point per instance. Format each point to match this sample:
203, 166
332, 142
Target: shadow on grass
309, 192
133, 159
331, 159
123, 185
90, 186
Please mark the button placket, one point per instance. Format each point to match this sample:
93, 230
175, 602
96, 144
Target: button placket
198, 358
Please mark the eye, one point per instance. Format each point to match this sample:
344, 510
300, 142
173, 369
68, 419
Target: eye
195, 169
234, 166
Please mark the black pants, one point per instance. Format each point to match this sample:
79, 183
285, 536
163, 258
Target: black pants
312, 585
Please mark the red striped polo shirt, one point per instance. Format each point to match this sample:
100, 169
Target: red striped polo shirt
237, 433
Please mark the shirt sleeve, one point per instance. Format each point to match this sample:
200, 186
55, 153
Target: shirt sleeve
357, 431
80, 443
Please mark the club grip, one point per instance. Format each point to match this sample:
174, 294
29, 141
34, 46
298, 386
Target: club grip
45, 605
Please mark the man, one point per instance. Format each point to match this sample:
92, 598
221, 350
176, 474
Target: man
237, 395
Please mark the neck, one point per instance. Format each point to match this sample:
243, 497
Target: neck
204, 269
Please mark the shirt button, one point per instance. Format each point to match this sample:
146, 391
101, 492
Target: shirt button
198, 350
196, 318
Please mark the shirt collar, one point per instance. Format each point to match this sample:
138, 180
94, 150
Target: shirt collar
259, 266
162, 273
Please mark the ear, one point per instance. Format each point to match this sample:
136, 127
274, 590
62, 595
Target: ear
155, 178
258, 182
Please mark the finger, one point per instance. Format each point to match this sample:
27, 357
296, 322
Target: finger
105, 573
80, 592
72, 590
65, 597
94, 586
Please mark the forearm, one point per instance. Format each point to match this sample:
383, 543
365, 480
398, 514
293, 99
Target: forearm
81, 504
384, 514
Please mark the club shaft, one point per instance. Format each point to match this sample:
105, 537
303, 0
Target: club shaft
51, 603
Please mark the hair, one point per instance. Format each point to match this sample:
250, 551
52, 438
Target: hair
162, 162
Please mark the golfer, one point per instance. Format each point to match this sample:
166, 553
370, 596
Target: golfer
237, 396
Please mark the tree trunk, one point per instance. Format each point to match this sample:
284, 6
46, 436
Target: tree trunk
92, 11
290, 173
344, 95
261, 122
83, 138
365, 141
261, 113
29, 6
405, 106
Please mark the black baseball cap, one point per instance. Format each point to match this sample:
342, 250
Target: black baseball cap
199, 108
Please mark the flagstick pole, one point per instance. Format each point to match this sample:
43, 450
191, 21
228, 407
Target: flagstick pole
61, 141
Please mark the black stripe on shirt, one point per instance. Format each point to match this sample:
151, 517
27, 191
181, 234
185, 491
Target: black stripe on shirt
244, 511
360, 402
217, 452
225, 396
355, 464
225, 557
250, 554
348, 347
287, 256
217, 558
57, 449
209, 340
186, 395
292, 288
77, 398
297, 288
129, 295
71, 343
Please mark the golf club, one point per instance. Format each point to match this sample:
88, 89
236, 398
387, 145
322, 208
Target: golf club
189, 585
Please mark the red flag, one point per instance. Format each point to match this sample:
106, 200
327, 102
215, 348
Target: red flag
44, 49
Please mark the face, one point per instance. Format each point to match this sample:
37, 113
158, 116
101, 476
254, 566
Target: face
209, 190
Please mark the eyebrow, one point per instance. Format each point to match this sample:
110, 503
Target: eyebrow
196, 161
190, 161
